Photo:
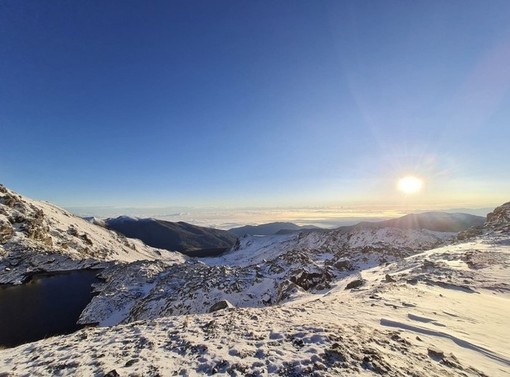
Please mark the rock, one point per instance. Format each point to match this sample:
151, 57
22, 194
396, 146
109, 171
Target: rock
220, 305
343, 264
355, 284
311, 279
131, 362
72, 231
287, 289
334, 355
389, 279
435, 353
86, 238
9, 200
499, 219
112, 373
428, 264
6, 231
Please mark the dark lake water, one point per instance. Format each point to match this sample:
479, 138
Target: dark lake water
49, 304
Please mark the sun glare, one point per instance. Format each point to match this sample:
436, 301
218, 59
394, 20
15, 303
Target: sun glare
410, 184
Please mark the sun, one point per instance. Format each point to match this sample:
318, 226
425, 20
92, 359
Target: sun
410, 184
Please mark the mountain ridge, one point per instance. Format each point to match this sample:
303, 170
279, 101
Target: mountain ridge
175, 236
269, 229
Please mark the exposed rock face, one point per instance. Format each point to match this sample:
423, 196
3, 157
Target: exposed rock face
307, 280
220, 305
499, 219
288, 289
6, 231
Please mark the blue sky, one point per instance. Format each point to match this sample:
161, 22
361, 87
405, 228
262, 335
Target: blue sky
255, 103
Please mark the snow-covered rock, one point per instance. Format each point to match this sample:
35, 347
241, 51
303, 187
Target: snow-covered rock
257, 272
442, 312
499, 219
38, 236
352, 301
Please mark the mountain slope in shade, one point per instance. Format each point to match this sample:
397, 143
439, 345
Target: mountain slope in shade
269, 229
178, 236
38, 236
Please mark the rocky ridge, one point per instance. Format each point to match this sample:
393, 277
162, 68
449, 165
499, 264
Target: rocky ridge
38, 236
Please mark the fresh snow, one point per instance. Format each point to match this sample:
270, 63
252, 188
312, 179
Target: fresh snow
38, 236
429, 321
386, 301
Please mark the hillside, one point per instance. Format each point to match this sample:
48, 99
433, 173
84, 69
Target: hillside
435, 221
174, 236
38, 236
269, 229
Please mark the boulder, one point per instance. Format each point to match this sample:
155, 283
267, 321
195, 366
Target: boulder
307, 280
355, 284
6, 231
220, 305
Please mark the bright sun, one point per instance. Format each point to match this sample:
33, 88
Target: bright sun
410, 184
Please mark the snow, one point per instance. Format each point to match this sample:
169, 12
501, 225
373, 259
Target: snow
46, 237
425, 305
392, 328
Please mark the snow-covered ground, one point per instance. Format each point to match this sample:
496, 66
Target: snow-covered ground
38, 236
361, 301
442, 312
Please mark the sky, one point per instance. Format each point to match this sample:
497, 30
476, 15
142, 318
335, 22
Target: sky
259, 104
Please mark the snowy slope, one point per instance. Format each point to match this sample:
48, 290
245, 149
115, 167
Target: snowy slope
442, 312
258, 272
37, 235
362, 301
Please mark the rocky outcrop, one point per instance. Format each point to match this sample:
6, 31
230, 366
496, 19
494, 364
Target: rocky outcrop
306, 279
220, 305
355, 284
6, 231
499, 219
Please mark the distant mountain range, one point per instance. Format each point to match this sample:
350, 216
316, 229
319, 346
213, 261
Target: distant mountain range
269, 229
188, 239
435, 221
197, 241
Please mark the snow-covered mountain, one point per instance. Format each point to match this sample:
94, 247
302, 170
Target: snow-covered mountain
38, 236
257, 272
363, 300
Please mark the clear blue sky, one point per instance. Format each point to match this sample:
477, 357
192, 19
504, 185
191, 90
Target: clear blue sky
254, 103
